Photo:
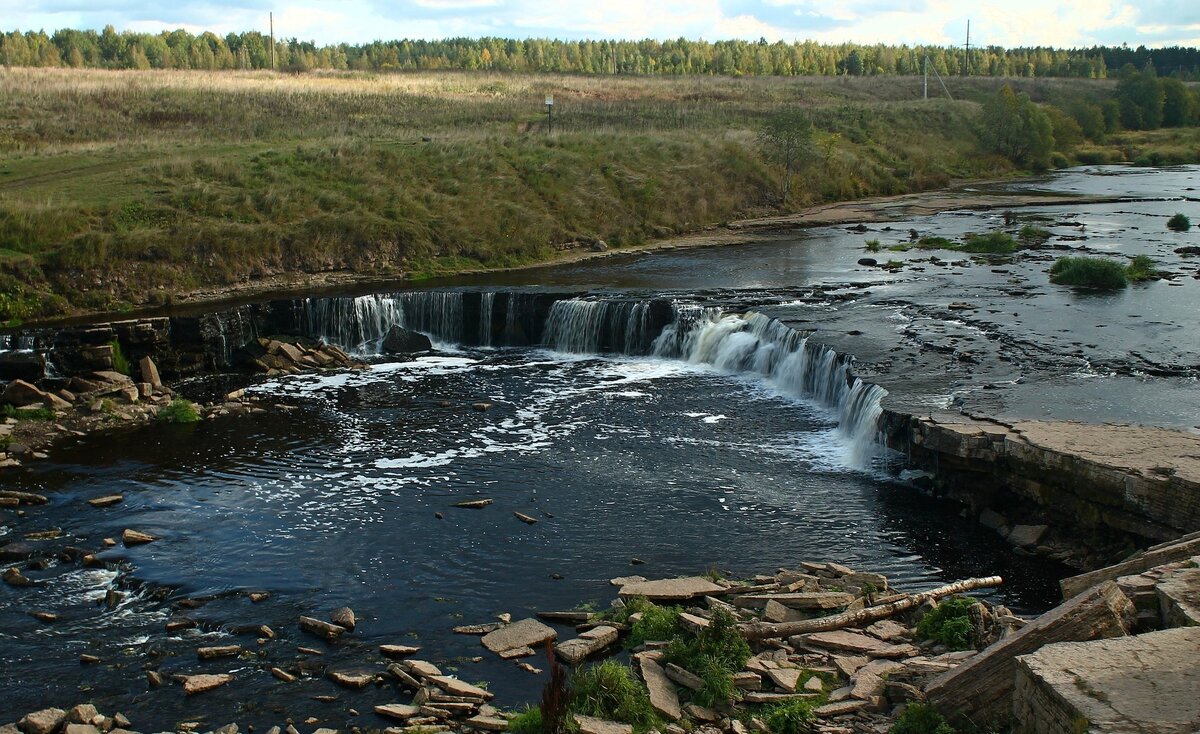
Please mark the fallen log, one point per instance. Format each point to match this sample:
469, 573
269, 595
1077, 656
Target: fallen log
980, 690
764, 630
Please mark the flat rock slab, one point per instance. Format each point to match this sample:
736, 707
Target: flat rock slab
671, 589
397, 711
663, 696
456, 687
1179, 598
1144, 683
588, 643
526, 633
590, 725
193, 684
856, 642
398, 651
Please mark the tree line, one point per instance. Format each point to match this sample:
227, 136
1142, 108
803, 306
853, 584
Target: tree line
179, 49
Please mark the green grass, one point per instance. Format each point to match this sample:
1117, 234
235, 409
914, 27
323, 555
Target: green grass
1179, 223
179, 411
126, 189
527, 721
28, 414
119, 360
1089, 272
992, 243
872, 246
949, 624
920, 718
792, 717
609, 690
1141, 268
130, 188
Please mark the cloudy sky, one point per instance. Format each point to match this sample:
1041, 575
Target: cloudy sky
1003, 22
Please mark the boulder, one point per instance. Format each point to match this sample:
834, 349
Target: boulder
149, 372
400, 340
26, 366
45, 721
14, 577
1027, 536
525, 633
343, 617
19, 392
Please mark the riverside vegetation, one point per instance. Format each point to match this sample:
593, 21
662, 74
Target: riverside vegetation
123, 189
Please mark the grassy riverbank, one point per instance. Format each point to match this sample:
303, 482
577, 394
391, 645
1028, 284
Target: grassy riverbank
127, 188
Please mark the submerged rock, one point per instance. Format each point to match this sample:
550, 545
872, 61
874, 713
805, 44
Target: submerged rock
400, 340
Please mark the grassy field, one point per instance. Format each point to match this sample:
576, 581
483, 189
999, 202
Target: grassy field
126, 188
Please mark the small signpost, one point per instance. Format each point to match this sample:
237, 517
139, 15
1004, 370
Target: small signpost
549, 113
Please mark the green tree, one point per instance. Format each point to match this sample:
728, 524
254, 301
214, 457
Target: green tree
786, 139
1179, 104
1016, 128
1141, 98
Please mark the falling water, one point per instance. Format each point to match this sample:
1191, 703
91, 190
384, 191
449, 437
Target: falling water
757, 344
595, 326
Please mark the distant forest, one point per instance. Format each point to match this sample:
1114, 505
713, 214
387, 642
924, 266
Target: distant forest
252, 50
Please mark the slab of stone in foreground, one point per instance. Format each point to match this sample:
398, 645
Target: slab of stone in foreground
526, 633
671, 589
1179, 598
1146, 683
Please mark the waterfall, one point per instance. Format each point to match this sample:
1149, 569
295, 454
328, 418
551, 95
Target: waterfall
354, 324
757, 344
487, 303
737, 343
595, 326
18, 342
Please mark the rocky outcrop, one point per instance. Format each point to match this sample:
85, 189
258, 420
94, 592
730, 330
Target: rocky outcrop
1146, 683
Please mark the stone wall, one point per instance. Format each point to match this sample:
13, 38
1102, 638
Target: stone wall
1083, 493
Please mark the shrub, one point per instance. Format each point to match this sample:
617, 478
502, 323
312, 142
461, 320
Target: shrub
527, 721
793, 717
656, 624
994, 243
1141, 268
872, 246
949, 623
936, 243
1033, 234
1089, 272
119, 360
715, 654
608, 690
921, 718
179, 411
1179, 223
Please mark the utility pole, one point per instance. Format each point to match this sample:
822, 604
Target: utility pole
272, 41
967, 64
925, 66
549, 113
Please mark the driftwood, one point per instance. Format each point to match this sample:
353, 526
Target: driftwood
764, 630
980, 690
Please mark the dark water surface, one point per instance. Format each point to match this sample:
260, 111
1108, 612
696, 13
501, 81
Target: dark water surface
334, 504
329, 497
